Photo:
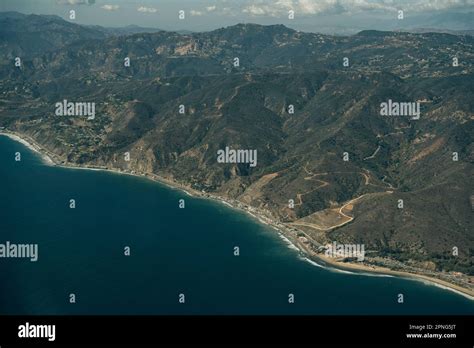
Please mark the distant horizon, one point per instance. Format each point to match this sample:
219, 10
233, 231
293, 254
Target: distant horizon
287, 25
322, 16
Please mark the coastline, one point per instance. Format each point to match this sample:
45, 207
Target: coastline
284, 231
389, 272
31, 145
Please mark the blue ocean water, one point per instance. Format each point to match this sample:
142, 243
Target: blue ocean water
173, 251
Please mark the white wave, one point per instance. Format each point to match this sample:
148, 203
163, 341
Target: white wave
343, 271
427, 282
329, 268
228, 204
87, 168
378, 275
333, 269
288, 242
187, 193
312, 262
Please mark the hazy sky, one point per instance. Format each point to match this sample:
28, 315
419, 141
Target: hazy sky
311, 15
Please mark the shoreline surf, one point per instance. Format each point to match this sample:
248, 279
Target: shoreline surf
329, 264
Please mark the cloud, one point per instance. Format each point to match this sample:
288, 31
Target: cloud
440, 5
196, 13
110, 7
75, 2
255, 10
261, 8
272, 8
147, 9
211, 8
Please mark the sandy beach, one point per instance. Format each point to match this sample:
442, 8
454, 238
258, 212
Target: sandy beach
327, 262
382, 270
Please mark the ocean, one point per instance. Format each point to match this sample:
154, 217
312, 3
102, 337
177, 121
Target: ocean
173, 251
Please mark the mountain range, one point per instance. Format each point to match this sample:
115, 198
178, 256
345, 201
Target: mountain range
334, 169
